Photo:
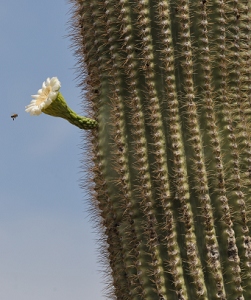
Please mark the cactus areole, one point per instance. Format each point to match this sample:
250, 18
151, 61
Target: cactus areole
169, 83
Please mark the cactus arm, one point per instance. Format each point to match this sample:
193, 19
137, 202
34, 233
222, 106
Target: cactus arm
168, 83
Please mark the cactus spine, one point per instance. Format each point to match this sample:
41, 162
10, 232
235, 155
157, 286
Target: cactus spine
169, 83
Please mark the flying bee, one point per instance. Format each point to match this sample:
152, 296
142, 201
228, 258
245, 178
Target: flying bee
14, 116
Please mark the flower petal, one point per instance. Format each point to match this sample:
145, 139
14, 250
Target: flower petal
44, 97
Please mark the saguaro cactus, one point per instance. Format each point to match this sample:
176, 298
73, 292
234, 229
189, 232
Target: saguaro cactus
169, 83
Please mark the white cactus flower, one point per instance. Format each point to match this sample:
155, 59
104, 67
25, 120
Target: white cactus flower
50, 101
46, 95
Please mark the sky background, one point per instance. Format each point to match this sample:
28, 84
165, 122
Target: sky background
48, 247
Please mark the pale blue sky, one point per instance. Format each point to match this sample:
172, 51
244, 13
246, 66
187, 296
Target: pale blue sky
48, 248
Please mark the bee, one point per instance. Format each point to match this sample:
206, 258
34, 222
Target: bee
14, 116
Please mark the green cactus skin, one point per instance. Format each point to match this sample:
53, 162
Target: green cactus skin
169, 82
